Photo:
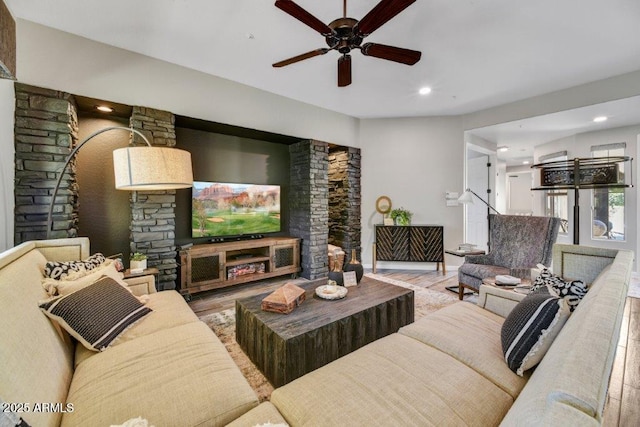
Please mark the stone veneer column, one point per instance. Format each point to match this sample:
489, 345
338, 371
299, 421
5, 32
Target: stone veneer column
308, 204
46, 130
153, 212
344, 199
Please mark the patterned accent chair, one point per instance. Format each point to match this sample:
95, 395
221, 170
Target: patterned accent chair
518, 243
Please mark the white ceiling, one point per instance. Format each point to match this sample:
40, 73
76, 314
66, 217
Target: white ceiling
476, 54
522, 136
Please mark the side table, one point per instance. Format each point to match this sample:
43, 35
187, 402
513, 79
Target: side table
151, 271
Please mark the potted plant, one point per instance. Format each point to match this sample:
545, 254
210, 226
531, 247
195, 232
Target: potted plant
401, 216
138, 261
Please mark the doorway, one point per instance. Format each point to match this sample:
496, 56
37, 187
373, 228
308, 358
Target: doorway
479, 178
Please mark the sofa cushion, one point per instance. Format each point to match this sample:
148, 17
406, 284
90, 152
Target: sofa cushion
264, 414
530, 328
168, 310
396, 380
471, 335
96, 314
181, 376
60, 269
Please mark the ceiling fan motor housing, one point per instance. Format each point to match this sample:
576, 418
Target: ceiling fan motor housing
343, 38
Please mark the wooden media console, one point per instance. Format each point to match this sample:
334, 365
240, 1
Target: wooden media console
218, 265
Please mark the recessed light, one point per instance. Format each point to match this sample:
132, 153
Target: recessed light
424, 91
503, 148
104, 108
600, 119
525, 162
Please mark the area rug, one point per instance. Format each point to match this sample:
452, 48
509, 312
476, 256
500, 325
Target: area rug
223, 325
426, 300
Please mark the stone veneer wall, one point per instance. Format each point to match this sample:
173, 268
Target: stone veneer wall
46, 131
153, 212
344, 199
308, 204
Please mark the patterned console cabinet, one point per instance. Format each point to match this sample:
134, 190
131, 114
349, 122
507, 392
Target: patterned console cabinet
414, 243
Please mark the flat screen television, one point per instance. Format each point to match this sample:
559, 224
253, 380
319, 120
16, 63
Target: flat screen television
221, 209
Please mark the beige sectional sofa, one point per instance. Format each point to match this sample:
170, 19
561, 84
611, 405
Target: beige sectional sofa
448, 368
445, 369
169, 368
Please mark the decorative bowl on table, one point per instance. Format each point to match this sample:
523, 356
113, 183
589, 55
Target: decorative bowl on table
331, 291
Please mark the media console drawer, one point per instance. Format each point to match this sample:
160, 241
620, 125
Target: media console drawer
218, 265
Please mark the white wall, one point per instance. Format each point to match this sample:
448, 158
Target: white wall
57, 60
413, 161
7, 107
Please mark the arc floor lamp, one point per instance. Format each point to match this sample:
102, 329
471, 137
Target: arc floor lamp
467, 197
137, 168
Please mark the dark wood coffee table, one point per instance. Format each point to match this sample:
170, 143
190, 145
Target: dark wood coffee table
287, 346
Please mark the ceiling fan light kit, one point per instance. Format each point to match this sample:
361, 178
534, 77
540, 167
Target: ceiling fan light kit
346, 34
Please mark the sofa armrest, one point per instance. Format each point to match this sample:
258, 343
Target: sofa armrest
497, 300
574, 262
142, 285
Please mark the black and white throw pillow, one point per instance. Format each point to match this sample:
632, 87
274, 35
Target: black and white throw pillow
58, 270
572, 290
530, 328
97, 314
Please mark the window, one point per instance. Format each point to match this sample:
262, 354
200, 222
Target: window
557, 205
608, 204
556, 202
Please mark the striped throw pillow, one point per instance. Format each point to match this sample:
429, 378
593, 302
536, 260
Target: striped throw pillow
530, 328
97, 314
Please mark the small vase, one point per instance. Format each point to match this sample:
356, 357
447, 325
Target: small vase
336, 273
337, 277
354, 265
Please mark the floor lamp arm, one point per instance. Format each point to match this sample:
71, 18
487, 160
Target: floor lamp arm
482, 200
71, 157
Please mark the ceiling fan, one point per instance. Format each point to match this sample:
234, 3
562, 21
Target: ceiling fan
345, 34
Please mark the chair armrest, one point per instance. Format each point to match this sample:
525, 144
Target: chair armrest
497, 300
486, 259
142, 285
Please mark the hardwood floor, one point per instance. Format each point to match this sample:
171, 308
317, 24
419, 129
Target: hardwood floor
623, 400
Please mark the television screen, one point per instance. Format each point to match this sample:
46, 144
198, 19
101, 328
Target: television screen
225, 209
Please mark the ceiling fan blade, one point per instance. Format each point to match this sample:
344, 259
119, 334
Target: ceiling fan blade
379, 15
303, 16
344, 71
391, 53
302, 57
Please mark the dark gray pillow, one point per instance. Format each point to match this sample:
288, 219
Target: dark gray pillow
97, 314
530, 328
